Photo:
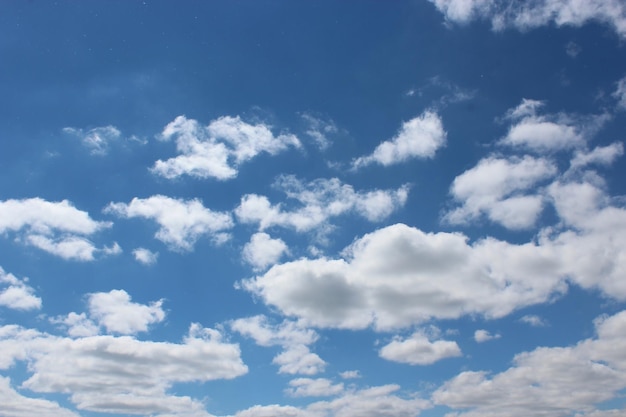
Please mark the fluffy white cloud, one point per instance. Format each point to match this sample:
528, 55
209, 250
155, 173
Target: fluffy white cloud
263, 251
555, 381
78, 325
123, 375
182, 222
296, 358
116, 312
499, 189
350, 374
15, 293
145, 256
15, 404
482, 335
420, 137
55, 227
601, 155
218, 149
307, 387
545, 133
533, 320
528, 15
319, 200
97, 140
419, 350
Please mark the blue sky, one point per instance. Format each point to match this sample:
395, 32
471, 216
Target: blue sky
313, 209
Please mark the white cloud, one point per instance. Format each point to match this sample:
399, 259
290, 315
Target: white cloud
296, 358
97, 140
350, 374
319, 130
481, 336
55, 227
555, 381
533, 320
78, 325
307, 387
145, 256
546, 133
116, 312
15, 404
419, 350
420, 137
319, 201
182, 222
16, 294
620, 93
218, 149
122, 375
499, 189
263, 251
528, 15
572, 49
600, 155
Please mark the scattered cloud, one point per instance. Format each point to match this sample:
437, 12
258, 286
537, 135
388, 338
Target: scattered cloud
217, 150
97, 140
620, 93
145, 256
350, 374
601, 155
533, 320
420, 137
555, 381
319, 200
55, 227
109, 374
298, 359
307, 387
16, 294
525, 16
116, 312
572, 49
481, 336
419, 350
262, 251
319, 130
182, 222
500, 189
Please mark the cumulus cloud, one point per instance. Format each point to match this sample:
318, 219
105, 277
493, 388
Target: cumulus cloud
16, 294
97, 140
55, 227
600, 155
262, 251
182, 222
555, 381
218, 149
529, 15
296, 357
319, 200
500, 189
481, 336
420, 137
15, 404
551, 132
109, 374
145, 256
116, 312
419, 350
307, 387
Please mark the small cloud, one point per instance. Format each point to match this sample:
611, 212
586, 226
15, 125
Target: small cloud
97, 140
145, 256
350, 374
319, 130
307, 387
534, 320
16, 294
572, 49
263, 251
419, 350
481, 336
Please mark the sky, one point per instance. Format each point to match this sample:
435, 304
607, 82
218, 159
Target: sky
313, 208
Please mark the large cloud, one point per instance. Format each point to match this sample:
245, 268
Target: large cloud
420, 137
182, 222
554, 381
218, 149
58, 228
532, 14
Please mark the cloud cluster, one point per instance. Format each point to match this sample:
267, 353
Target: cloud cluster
58, 228
319, 200
296, 357
16, 294
182, 222
420, 137
529, 15
217, 150
116, 374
